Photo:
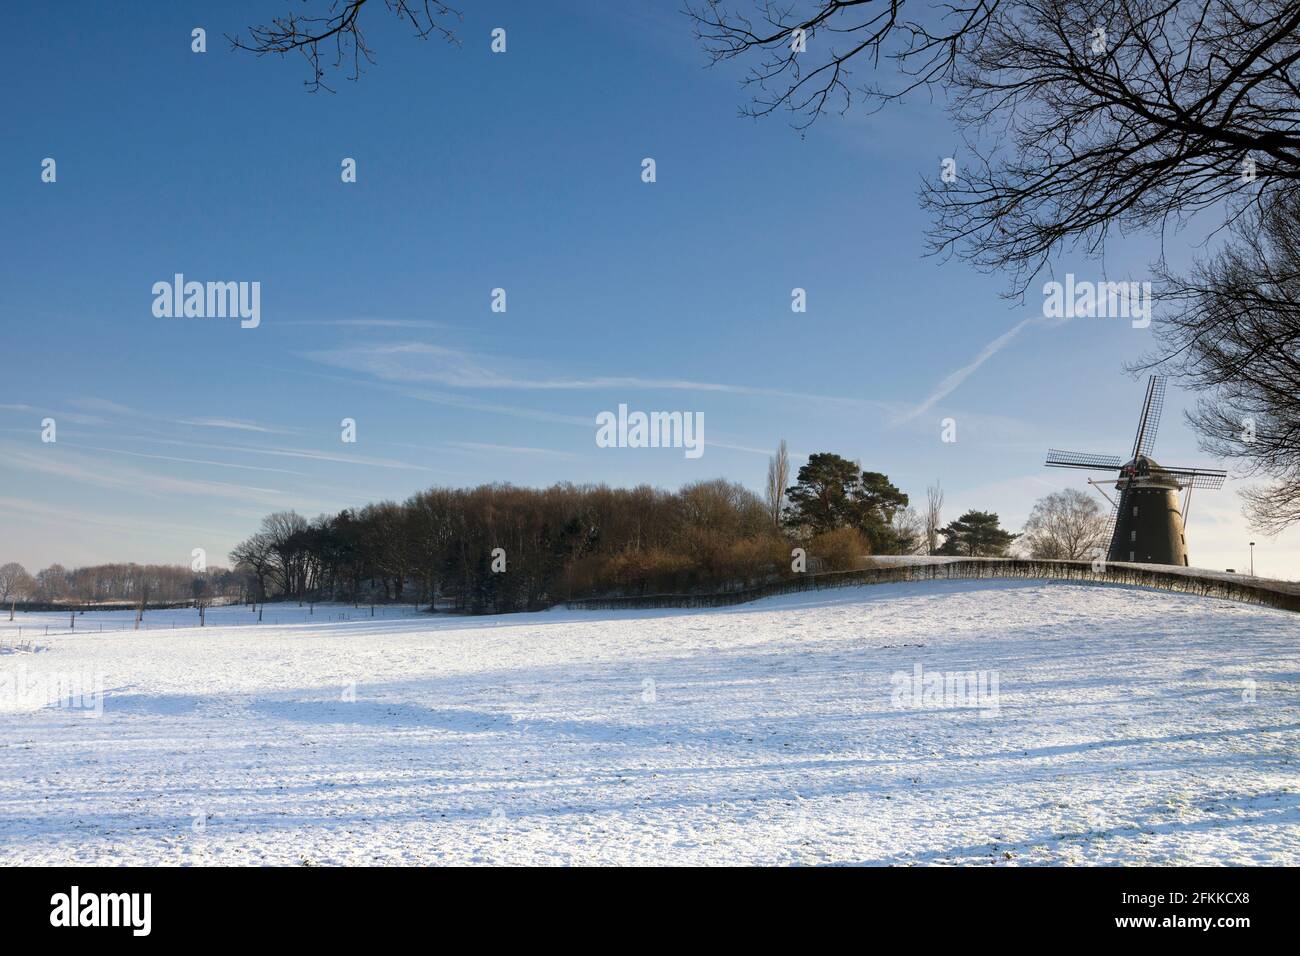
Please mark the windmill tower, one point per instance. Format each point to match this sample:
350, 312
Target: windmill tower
1147, 521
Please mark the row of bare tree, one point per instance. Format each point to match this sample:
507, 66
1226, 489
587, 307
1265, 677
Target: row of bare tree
500, 548
125, 583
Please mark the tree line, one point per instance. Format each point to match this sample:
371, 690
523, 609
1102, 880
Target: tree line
498, 548
125, 583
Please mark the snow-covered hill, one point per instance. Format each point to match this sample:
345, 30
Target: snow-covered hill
1128, 727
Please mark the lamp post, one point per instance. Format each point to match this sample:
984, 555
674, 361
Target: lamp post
1252, 559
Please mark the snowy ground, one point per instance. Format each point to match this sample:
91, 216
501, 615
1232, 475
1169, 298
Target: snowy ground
1125, 733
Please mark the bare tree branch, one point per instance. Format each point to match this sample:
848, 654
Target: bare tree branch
1232, 330
1078, 118
337, 23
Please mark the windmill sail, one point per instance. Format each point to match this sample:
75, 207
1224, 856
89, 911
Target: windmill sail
1107, 539
1150, 420
1082, 459
1196, 477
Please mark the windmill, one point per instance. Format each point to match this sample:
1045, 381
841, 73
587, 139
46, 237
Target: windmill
1146, 522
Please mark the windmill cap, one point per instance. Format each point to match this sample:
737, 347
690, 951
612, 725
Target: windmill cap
1143, 466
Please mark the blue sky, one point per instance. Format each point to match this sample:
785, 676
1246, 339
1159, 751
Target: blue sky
476, 171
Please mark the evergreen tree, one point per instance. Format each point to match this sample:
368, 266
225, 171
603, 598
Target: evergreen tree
833, 492
879, 500
823, 498
976, 534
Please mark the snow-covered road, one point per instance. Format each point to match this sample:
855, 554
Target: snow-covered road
1130, 727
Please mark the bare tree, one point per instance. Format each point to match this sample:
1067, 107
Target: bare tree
1078, 117
282, 533
336, 24
256, 555
803, 52
141, 604
1232, 330
909, 531
52, 582
933, 517
778, 479
14, 581
199, 588
1067, 525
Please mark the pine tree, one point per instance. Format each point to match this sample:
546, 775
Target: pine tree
976, 534
833, 492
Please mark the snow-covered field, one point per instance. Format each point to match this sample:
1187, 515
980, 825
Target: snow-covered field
1130, 727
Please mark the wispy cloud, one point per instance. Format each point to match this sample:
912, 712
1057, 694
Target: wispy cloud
61, 461
420, 362
76, 418
300, 453
477, 447
749, 449
495, 408
235, 425
96, 404
92, 470
373, 323
189, 461
28, 509
107, 406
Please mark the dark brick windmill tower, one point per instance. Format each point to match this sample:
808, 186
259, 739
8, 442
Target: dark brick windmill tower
1147, 522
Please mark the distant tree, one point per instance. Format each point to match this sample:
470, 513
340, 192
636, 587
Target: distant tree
141, 603
335, 25
15, 582
255, 556
1232, 331
432, 527
566, 541
386, 541
284, 536
879, 503
52, 582
199, 590
1067, 525
976, 534
832, 492
933, 517
843, 549
778, 477
126, 582
908, 532
825, 495
723, 506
